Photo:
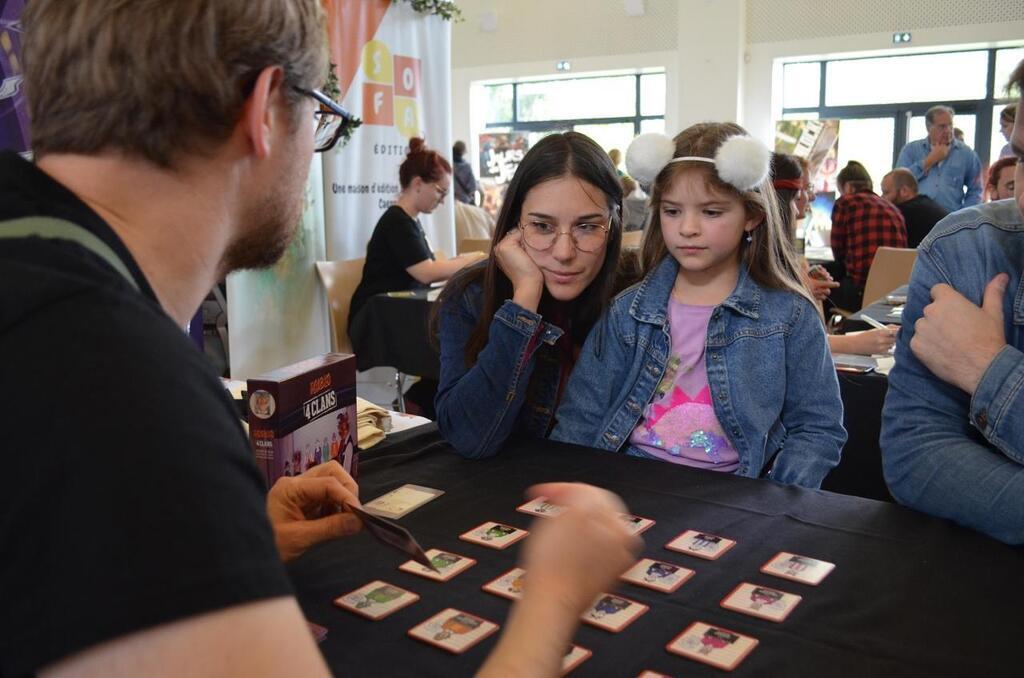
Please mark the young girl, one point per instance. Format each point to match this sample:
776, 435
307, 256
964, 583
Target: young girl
718, 358
510, 331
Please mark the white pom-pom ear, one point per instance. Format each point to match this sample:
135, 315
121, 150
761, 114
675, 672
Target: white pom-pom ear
743, 162
647, 155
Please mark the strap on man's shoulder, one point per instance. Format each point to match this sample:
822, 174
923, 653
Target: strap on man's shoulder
60, 229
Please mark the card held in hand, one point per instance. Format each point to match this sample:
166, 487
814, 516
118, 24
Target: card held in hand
393, 535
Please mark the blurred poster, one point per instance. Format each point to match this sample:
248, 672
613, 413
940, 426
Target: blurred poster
500, 155
815, 140
394, 71
14, 127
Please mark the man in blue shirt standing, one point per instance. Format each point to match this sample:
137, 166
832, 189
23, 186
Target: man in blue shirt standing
953, 424
942, 165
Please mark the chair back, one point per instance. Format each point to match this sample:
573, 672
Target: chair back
340, 279
890, 268
631, 240
475, 245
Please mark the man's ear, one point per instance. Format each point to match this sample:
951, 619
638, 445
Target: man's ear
261, 113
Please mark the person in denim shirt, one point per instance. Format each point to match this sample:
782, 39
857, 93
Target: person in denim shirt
717, 359
510, 330
953, 424
943, 165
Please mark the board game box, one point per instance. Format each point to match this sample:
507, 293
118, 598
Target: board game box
304, 414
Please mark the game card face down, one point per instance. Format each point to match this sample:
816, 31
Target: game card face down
453, 630
376, 600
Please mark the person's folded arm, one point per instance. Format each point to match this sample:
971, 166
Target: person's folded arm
935, 458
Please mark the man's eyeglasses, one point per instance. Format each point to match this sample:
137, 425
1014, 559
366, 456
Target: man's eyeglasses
541, 236
330, 119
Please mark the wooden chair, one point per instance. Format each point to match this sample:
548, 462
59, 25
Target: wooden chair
890, 268
474, 245
340, 279
631, 240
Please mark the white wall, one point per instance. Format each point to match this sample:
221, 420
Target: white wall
719, 55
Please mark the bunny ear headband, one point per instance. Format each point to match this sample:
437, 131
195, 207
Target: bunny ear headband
741, 161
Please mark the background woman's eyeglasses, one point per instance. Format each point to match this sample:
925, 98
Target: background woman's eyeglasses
541, 236
330, 118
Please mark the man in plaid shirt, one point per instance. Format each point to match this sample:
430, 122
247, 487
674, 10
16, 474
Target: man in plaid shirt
861, 223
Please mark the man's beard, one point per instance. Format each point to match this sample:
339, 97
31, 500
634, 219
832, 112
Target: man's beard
276, 220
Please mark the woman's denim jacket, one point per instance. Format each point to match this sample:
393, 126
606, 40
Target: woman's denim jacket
771, 376
513, 385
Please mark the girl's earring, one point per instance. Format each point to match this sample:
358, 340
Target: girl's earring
750, 237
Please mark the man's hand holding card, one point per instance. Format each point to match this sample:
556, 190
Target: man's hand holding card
305, 510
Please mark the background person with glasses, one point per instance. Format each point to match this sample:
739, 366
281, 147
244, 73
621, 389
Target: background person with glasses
510, 330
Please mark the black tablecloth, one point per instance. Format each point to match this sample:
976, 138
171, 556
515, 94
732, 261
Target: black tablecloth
881, 311
860, 469
391, 330
910, 595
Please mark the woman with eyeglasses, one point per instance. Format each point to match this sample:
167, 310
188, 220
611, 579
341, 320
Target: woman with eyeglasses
398, 256
510, 330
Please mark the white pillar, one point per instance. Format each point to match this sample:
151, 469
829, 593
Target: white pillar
712, 43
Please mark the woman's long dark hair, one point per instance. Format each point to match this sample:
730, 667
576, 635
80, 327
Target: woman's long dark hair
558, 155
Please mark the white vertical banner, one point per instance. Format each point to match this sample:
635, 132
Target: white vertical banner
400, 85
278, 316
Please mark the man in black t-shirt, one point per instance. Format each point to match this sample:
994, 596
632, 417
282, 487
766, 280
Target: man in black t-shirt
920, 212
136, 534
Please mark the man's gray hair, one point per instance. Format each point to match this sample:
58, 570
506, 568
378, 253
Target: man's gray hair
929, 115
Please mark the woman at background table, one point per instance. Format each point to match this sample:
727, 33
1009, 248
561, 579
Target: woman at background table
398, 256
510, 330
789, 183
717, 360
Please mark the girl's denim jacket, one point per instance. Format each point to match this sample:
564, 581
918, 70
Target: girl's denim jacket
513, 386
771, 376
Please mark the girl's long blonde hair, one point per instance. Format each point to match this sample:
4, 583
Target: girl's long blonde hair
769, 257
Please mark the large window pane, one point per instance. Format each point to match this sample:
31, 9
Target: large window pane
655, 126
573, 99
652, 94
1006, 61
924, 77
499, 103
868, 141
916, 128
614, 135
801, 85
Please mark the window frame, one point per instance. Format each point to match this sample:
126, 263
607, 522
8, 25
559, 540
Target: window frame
901, 112
564, 125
